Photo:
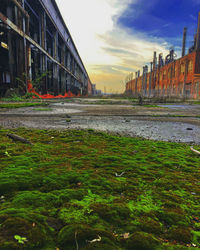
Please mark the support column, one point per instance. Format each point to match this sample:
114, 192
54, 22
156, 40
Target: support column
43, 41
11, 57
145, 80
154, 74
150, 79
63, 74
185, 77
21, 55
136, 80
197, 45
55, 66
26, 48
68, 82
143, 77
68, 60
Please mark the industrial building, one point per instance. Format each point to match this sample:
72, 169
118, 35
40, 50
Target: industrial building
170, 77
36, 47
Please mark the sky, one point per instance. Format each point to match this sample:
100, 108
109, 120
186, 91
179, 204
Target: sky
117, 37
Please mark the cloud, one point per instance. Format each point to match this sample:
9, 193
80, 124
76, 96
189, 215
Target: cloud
196, 2
108, 50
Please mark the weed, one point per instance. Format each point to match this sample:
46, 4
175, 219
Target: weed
21, 240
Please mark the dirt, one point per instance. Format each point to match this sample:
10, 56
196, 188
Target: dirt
178, 123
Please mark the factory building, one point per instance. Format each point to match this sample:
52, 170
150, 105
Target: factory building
37, 51
170, 77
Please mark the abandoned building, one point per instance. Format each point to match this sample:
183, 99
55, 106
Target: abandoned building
36, 48
170, 77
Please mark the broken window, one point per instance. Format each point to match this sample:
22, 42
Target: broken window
182, 68
190, 66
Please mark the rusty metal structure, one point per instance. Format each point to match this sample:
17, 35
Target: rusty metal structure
34, 39
171, 77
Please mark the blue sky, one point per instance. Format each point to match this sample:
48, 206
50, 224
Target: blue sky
162, 18
117, 37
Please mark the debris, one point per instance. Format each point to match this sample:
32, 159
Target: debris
76, 241
19, 138
2, 199
95, 240
125, 235
119, 175
196, 219
198, 152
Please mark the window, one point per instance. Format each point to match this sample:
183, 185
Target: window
182, 68
190, 66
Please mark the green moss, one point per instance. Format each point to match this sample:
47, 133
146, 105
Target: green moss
18, 226
180, 234
69, 177
196, 237
35, 199
21, 105
142, 241
173, 216
79, 234
150, 225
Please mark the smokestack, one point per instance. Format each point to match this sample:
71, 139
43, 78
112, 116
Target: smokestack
154, 60
184, 41
198, 34
143, 72
151, 67
160, 60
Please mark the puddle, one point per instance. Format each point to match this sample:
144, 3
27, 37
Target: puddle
180, 106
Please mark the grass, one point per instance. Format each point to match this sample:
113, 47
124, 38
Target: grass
43, 109
22, 105
196, 102
151, 106
63, 191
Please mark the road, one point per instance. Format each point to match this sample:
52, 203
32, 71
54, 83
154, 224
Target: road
177, 123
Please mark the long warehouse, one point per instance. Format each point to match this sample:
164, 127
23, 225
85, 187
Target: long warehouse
37, 51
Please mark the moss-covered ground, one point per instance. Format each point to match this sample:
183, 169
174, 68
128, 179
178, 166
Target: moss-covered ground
91, 190
22, 105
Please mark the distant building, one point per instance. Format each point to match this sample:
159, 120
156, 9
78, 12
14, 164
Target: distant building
170, 77
95, 91
89, 87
